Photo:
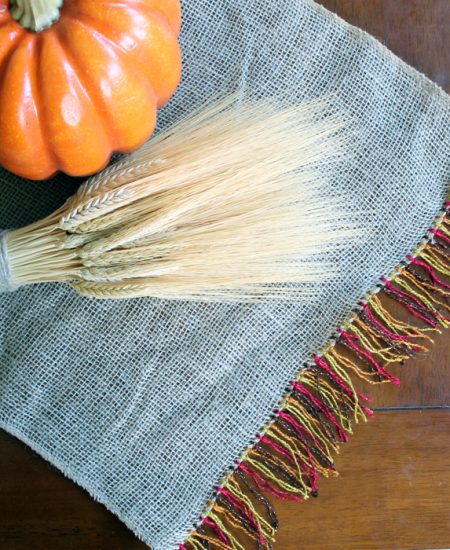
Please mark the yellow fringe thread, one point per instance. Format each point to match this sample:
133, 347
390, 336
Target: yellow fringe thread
339, 402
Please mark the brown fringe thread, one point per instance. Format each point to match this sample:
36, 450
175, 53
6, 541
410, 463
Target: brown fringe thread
317, 414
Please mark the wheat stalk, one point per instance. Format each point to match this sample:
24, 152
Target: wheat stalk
229, 204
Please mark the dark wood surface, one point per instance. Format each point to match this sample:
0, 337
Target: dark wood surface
415, 30
393, 492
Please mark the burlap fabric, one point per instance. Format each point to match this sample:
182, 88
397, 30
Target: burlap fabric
146, 403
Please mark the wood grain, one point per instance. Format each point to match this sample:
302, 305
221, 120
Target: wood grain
425, 379
392, 494
395, 480
416, 30
40, 509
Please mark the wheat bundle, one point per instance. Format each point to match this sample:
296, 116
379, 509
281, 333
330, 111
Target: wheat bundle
229, 204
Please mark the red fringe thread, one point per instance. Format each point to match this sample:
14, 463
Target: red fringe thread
317, 414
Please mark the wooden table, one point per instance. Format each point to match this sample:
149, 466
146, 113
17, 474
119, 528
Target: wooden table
394, 488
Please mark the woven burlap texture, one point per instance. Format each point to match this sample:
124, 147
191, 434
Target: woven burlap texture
146, 403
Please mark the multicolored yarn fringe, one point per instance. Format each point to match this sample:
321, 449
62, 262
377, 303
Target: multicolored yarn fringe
317, 414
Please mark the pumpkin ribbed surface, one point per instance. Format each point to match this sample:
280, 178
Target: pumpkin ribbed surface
86, 87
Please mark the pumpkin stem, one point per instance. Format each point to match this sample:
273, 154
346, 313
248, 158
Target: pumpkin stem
36, 15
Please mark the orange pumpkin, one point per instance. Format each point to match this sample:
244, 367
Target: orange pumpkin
81, 79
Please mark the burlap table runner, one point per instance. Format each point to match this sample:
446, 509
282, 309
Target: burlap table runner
147, 403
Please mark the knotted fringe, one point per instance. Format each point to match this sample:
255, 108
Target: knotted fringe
317, 414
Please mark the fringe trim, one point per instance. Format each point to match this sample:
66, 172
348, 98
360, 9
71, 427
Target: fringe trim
317, 414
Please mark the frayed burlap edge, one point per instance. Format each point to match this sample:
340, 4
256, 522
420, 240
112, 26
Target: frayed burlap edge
321, 404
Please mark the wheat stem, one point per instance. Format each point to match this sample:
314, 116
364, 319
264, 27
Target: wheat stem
231, 204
